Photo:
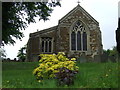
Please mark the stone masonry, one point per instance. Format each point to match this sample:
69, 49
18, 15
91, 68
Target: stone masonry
60, 35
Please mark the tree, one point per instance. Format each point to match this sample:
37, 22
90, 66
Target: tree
22, 53
2, 53
118, 36
112, 52
17, 15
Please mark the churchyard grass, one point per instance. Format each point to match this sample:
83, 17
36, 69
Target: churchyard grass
91, 75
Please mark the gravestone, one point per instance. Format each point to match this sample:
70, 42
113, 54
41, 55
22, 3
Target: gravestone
97, 58
104, 57
82, 59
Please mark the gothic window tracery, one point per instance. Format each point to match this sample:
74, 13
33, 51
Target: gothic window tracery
46, 45
78, 37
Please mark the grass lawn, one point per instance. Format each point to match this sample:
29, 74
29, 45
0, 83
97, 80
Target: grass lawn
91, 75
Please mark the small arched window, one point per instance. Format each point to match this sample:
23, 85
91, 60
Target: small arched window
78, 37
46, 44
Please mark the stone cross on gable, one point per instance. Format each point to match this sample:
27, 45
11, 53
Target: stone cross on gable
79, 1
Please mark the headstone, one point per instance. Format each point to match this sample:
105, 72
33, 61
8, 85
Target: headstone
82, 59
97, 58
90, 59
104, 57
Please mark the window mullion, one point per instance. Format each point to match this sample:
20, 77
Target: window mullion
76, 40
81, 41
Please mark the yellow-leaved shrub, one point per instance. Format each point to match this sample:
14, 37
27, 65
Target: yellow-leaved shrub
50, 64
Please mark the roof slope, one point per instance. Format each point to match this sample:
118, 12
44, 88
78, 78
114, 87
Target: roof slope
78, 7
44, 31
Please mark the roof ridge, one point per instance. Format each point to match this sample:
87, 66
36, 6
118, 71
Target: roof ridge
77, 7
44, 30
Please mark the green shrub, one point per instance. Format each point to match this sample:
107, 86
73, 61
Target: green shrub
65, 76
51, 64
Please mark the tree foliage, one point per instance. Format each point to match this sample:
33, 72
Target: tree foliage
118, 36
2, 53
22, 53
17, 15
112, 52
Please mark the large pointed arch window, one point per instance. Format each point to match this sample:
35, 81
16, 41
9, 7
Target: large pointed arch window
78, 37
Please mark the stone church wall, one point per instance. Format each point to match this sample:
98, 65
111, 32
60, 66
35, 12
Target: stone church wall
61, 37
63, 40
34, 44
32, 48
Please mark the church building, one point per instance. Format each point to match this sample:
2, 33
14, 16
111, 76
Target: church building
77, 34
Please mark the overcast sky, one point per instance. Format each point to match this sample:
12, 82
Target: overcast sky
104, 11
